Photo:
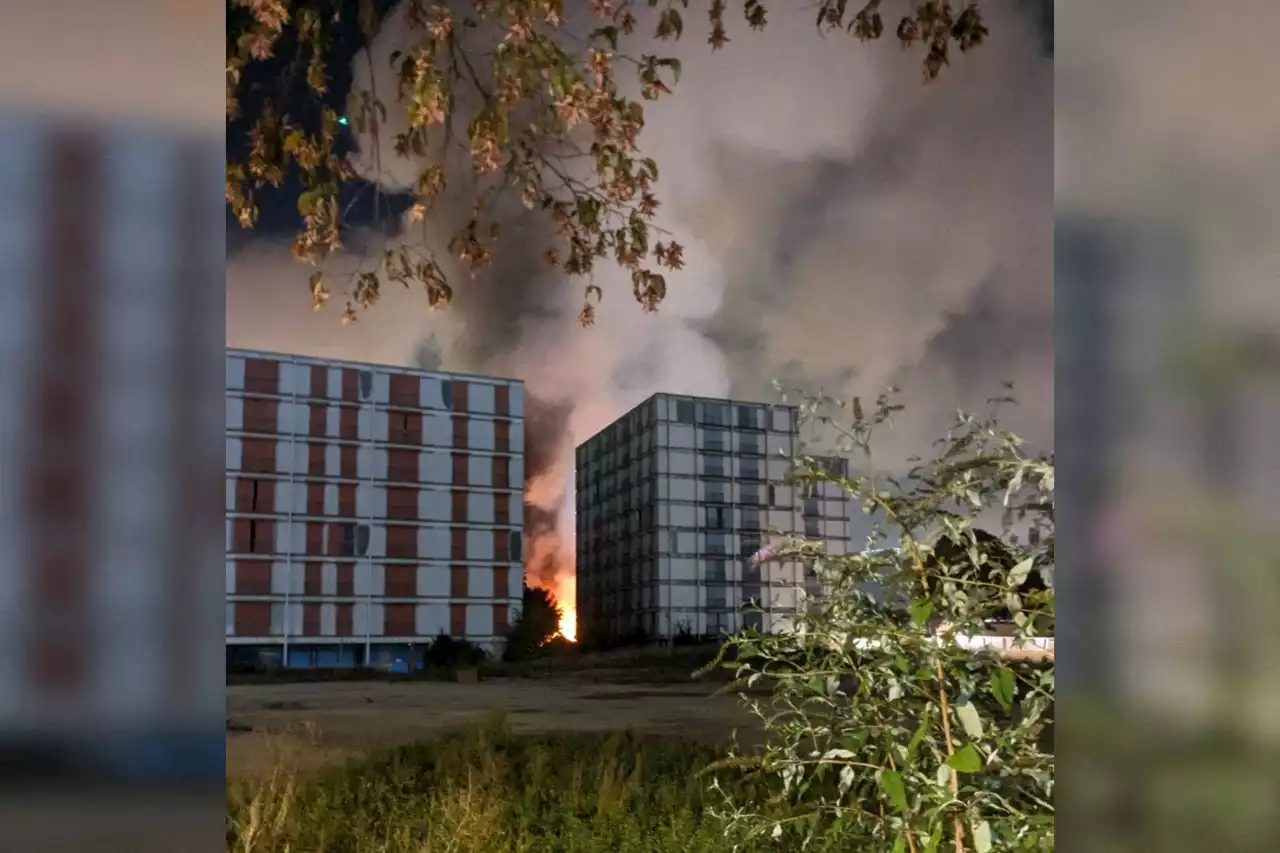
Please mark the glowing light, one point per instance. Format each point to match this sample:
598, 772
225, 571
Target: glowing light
343, 120
567, 597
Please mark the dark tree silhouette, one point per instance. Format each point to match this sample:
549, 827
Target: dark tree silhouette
538, 622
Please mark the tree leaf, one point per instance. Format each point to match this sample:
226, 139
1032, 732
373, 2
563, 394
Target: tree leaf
982, 837
674, 65
1001, 682
1018, 574
900, 844
919, 736
609, 34
890, 782
966, 760
921, 611
969, 720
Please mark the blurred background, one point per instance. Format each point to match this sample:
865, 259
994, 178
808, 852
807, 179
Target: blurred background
1167, 313
111, 335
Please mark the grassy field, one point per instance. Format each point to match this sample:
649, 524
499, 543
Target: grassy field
488, 789
309, 726
602, 758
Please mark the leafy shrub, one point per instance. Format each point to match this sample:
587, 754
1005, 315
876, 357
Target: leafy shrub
884, 733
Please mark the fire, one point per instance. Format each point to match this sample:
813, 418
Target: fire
549, 566
566, 593
549, 554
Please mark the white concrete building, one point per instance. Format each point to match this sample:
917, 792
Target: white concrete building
672, 500
369, 510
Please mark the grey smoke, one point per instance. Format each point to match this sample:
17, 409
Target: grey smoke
845, 227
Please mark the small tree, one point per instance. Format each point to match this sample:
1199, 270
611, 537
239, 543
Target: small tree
884, 732
538, 622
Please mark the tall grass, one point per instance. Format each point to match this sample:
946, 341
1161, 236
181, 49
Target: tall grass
488, 790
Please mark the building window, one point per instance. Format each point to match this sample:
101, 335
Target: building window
748, 418
749, 469
713, 466
812, 527
716, 543
446, 393
716, 570
749, 444
716, 517
366, 384
517, 545
751, 519
716, 595
362, 539
714, 439
750, 495
713, 492
684, 411
810, 508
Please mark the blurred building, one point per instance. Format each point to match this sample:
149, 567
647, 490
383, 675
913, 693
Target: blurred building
370, 509
673, 498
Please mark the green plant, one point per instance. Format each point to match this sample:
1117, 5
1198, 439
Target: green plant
445, 652
486, 789
883, 730
535, 627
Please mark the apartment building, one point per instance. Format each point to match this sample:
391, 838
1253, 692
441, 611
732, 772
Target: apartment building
370, 509
672, 500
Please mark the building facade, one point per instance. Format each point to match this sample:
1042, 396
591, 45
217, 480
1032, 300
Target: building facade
370, 509
671, 501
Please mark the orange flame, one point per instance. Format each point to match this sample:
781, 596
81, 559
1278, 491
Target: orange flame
549, 566
567, 597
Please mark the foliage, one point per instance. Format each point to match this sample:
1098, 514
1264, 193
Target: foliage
885, 733
487, 790
537, 624
445, 652
502, 96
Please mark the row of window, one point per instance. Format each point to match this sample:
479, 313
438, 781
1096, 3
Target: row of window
349, 500
350, 384
272, 417
352, 539
703, 412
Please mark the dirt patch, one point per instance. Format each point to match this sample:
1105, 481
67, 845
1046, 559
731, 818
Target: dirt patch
308, 726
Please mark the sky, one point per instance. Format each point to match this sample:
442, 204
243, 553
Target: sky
846, 227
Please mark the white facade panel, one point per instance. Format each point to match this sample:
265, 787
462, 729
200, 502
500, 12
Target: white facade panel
479, 620
479, 545
433, 543
480, 434
480, 583
437, 430
480, 507
480, 398
435, 466
433, 582
432, 619
480, 470
434, 505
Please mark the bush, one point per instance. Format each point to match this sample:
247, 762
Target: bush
447, 653
883, 732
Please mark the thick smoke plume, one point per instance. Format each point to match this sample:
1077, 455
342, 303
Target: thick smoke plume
845, 227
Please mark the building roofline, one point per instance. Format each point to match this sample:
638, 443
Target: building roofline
694, 397
367, 365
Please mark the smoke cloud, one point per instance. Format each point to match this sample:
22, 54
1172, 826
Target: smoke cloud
845, 227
